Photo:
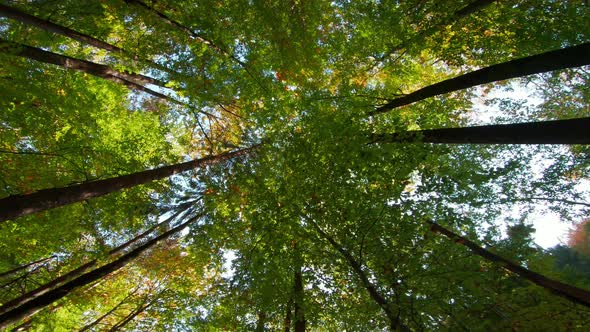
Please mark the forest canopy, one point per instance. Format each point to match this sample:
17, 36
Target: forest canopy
293, 165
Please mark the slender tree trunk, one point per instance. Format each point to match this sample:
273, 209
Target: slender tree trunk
31, 307
43, 289
575, 294
105, 315
131, 81
260, 322
142, 307
472, 8
298, 291
22, 267
75, 64
569, 57
21, 205
184, 28
572, 131
469, 9
75, 35
394, 321
287, 321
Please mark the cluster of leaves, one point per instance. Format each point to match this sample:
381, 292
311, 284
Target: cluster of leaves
317, 220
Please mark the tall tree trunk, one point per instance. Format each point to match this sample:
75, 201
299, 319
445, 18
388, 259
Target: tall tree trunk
22, 205
22, 267
98, 70
31, 307
219, 49
75, 35
572, 131
287, 321
472, 8
394, 321
575, 294
184, 28
45, 288
105, 315
260, 321
459, 14
298, 291
569, 57
88, 67
141, 308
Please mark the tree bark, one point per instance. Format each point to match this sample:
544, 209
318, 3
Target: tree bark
43, 289
569, 57
575, 294
21, 205
75, 35
132, 315
105, 315
572, 131
394, 321
260, 322
29, 308
184, 28
298, 292
22, 267
75, 64
287, 321
459, 14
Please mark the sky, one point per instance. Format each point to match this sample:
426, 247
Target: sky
550, 229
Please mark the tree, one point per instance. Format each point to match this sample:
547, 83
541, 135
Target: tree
16, 206
313, 222
30, 307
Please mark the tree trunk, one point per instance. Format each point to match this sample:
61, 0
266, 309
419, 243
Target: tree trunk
298, 291
461, 13
260, 322
395, 323
22, 205
22, 267
569, 57
43, 289
75, 64
105, 315
287, 321
575, 294
144, 305
472, 8
67, 32
572, 131
29, 308
181, 27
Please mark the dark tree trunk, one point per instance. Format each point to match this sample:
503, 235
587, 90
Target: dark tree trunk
61, 30
141, 308
395, 323
43, 289
31, 307
22, 267
182, 27
22, 205
287, 321
105, 315
260, 322
472, 8
570, 57
298, 292
75, 64
461, 13
575, 294
572, 131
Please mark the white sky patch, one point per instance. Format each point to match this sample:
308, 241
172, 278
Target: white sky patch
550, 229
228, 258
